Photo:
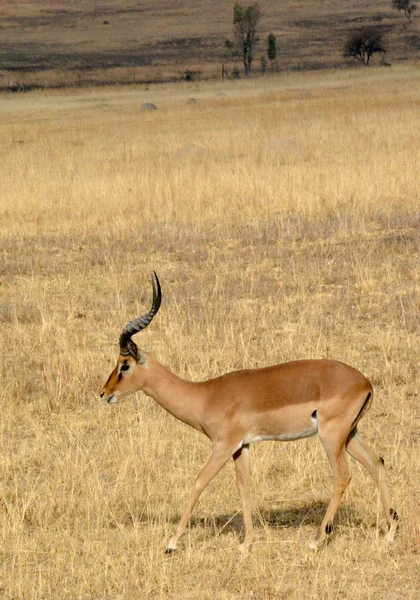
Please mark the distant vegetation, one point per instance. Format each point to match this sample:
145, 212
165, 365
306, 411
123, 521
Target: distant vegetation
272, 48
77, 44
406, 6
245, 23
363, 44
360, 44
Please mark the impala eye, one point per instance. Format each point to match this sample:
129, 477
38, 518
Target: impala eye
125, 367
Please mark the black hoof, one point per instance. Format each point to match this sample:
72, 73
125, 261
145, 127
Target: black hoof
394, 514
170, 550
328, 528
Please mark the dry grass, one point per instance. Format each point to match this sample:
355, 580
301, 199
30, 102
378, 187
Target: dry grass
263, 258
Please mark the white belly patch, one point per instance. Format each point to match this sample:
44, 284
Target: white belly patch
284, 437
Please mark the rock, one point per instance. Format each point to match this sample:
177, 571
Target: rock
148, 106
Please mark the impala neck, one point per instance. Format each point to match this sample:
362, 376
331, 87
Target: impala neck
183, 399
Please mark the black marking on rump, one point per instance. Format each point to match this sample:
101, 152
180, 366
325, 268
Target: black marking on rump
328, 527
393, 513
361, 411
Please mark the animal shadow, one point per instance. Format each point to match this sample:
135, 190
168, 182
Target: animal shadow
292, 517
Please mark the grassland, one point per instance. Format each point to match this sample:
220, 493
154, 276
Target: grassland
58, 43
265, 255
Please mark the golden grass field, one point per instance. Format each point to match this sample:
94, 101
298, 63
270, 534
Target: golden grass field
264, 257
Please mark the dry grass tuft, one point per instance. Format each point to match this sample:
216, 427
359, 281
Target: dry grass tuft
261, 261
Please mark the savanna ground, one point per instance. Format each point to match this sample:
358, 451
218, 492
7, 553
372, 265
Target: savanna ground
266, 252
56, 42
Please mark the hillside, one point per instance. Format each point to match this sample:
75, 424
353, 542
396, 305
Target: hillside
58, 43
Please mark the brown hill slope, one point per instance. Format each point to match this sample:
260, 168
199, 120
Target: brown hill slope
50, 43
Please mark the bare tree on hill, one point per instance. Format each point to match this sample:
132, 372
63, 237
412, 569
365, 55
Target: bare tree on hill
362, 44
407, 6
245, 22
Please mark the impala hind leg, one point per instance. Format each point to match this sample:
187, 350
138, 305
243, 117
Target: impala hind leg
358, 449
341, 479
217, 460
242, 468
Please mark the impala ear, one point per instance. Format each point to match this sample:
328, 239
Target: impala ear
140, 358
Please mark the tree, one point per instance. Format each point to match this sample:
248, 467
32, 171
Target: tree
235, 73
362, 44
272, 47
245, 21
407, 6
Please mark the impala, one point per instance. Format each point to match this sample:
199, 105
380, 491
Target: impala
284, 402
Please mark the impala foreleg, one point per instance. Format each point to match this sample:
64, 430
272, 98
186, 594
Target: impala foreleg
217, 460
242, 468
358, 449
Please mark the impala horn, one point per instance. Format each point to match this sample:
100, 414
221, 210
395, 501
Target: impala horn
127, 346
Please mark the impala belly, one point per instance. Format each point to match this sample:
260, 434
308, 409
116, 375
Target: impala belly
285, 437
252, 438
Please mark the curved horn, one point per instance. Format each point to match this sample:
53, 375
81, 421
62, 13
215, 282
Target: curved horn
126, 345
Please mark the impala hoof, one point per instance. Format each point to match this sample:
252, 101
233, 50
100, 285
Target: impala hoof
314, 544
170, 550
244, 548
390, 536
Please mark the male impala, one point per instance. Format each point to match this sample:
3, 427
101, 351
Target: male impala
284, 402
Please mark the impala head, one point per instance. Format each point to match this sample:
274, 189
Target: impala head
129, 373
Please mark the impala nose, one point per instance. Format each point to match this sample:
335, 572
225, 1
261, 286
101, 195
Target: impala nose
112, 399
